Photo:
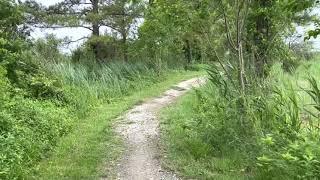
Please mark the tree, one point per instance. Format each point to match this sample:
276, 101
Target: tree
118, 15
268, 22
11, 17
172, 29
122, 17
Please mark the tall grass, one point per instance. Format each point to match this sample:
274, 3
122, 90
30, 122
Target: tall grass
297, 80
89, 86
269, 133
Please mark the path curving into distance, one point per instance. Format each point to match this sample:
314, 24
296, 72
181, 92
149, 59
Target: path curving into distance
139, 128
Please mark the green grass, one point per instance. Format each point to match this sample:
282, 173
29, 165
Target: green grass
187, 153
91, 149
96, 84
297, 80
187, 134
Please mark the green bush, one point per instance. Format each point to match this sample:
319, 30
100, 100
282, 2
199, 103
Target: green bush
30, 121
29, 129
25, 75
298, 159
106, 48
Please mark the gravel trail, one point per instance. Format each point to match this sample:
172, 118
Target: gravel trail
140, 131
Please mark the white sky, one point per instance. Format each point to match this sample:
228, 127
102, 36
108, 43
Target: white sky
48, 2
72, 33
77, 33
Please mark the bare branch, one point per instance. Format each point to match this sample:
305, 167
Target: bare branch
60, 27
68, 42
228, 32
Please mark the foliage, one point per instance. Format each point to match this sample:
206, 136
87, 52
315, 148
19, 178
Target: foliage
97, 84
31, 112
48, 49
298, 159
11, 17
196, 140
172, 30
29, 128
267, 23
107, 46
30, 122
273, 134
119, 17
295, 157
252, 125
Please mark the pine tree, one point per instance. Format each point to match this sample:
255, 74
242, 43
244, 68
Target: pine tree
117, 15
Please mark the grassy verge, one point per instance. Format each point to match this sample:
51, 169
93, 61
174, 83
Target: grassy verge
187, 153
92, 148
203, 137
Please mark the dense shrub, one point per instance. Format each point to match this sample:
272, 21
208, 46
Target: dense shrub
31, 118
29, 128
106, 48
283, 159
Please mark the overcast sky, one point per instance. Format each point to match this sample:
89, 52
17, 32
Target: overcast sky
77, 33
73, 33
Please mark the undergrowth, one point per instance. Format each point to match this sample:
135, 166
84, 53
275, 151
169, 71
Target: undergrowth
270, 133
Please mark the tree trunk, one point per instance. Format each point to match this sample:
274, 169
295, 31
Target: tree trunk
241, 63
95, 29
125, 47
124, 34
188, 52
262, 37
95, 11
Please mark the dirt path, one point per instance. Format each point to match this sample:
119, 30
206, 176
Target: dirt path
140, 130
